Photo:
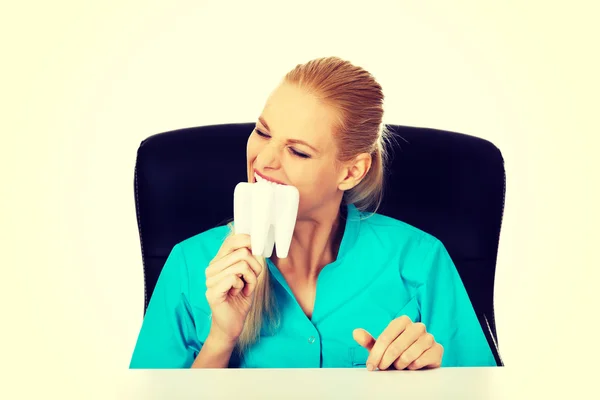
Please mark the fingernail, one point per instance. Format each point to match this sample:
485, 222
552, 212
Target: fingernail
370, 367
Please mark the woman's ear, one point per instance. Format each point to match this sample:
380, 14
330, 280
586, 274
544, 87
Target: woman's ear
354, 171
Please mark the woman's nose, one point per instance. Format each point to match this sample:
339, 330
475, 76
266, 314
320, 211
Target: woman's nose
268, 157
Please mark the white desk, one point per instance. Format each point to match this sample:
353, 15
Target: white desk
310, 384
85, 382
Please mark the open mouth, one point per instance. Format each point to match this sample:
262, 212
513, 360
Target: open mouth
258, 178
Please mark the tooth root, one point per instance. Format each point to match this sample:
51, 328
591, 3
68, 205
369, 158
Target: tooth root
242, 206
286, 212
262, 206
270, 242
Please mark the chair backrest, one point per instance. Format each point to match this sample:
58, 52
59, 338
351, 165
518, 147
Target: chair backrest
448, 184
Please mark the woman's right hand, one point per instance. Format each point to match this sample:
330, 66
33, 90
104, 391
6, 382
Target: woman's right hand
230, 297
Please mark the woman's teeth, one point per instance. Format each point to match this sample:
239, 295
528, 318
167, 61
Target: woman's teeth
261, 179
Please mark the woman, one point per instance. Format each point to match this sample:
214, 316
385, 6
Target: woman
354, 291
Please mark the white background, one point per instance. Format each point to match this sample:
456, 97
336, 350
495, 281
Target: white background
84, 82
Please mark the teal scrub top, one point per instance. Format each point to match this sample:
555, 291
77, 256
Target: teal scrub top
385, 269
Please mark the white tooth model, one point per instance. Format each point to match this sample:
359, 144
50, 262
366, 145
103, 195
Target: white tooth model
267, 212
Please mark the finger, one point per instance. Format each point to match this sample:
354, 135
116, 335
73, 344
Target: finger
240, 269
254, 264
411, 352
238, 287
393, 330
219, 292
256, 268
363, 338
431, 358
227, 261
403, 342
214, 268
231, 244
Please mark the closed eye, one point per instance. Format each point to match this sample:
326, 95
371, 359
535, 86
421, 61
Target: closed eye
294, 151
297, 153
261, 133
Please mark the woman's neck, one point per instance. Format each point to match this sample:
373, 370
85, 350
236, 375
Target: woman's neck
315, 243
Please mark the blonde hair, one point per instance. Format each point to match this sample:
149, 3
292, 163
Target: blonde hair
357, 99
263, 305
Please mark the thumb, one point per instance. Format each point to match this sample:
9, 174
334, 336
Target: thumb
363, 338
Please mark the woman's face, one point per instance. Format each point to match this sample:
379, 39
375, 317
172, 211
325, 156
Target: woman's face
293, 144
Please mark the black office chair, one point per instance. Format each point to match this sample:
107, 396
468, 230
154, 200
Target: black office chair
448, 184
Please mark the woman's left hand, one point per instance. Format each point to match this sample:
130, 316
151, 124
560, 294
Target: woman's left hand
403, 344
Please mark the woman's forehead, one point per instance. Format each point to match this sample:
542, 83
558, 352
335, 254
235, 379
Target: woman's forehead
295, 113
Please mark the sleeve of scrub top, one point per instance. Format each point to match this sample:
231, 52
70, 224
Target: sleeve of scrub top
168, 337
448, 314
